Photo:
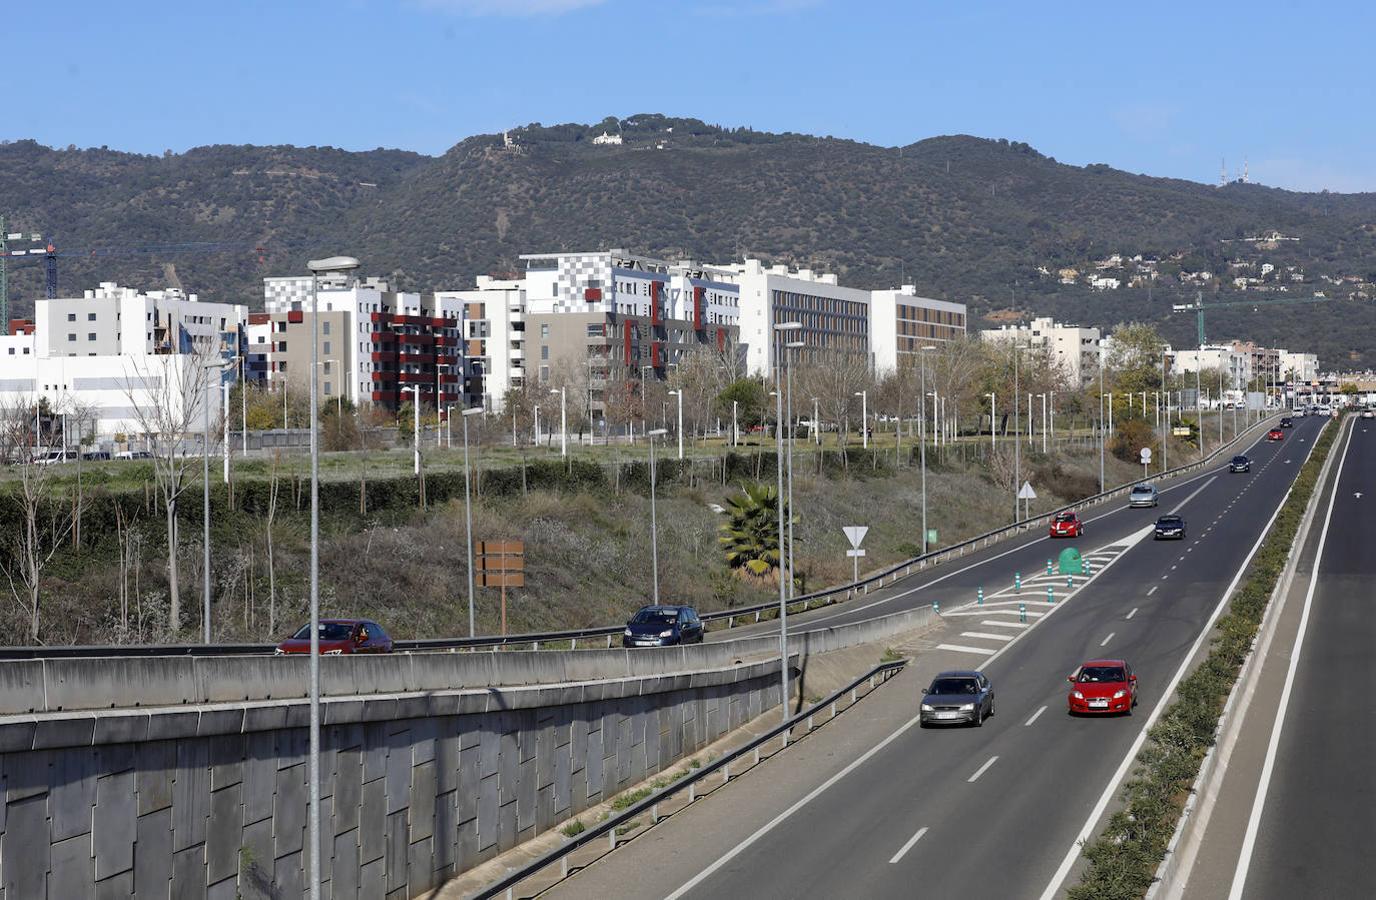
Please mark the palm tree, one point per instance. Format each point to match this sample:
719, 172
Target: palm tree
750, 536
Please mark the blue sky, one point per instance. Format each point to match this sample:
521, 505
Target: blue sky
1163, 88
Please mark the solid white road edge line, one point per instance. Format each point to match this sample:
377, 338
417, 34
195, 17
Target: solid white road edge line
909, 845
1244, 859
1053, 887
981, 770
1035, 716
774, 822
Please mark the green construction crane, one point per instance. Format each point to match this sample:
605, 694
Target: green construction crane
1198, 306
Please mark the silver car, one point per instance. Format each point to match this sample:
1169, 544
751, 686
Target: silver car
961, 697
1144, 495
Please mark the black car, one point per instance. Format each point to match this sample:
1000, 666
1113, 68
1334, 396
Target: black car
1240, 463
1287, 423
662, 626
957, 697
1172, 527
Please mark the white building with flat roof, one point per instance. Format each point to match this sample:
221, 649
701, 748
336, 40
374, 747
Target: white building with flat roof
1235, 365
1074, 348
902, 323
835, 319
1299, 366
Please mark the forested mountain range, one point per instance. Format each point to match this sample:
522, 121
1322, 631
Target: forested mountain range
991, 223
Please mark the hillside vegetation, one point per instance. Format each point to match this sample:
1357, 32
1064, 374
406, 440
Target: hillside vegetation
964, 218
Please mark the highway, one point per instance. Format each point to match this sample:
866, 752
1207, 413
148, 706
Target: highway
884, 808
1316, 801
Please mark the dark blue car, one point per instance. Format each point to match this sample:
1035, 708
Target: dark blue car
662, 626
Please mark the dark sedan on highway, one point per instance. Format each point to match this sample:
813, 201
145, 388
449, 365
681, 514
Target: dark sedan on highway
962, 697
1240, 463
340, 636
663, 626
1169, 528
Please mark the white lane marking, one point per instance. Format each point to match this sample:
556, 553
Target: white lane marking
1172, 568
1012, 612
1104, 642
1072, 855
989, 636
1244, 860
774, 822
999, 624
981, 770
963, 649
909, 845
1131, 614
1181, 505
1153, 589
1034, 717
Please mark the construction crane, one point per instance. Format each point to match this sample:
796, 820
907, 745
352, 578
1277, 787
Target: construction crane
1198, 306
6, 254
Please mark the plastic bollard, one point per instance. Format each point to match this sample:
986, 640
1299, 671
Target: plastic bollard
1048, 567
1070, 581
936, 607
1050, 595
1017, 582
1022, 612
980, 599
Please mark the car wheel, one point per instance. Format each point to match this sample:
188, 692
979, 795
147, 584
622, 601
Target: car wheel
979, 717
991, 707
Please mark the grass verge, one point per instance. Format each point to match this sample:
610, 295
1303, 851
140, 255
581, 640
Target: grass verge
1124, 858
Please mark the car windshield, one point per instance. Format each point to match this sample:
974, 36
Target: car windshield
1098, 674
655, 617
329, 631
1066, 517
954, 686
1142, 489
1239, 459
1169, 520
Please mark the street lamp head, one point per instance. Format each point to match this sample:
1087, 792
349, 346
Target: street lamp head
332, 264
676, 392
657, 432
788, 326
555, 391
859, 393
796, 345
929, 347
473, 411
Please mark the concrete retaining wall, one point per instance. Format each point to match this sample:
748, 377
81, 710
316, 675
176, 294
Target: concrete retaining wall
210, 800
58, 685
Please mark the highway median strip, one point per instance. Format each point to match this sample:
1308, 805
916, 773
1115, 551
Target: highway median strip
1123, 860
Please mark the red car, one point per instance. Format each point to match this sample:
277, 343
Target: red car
1067, 524
1275, 434
339, 636
1103, 686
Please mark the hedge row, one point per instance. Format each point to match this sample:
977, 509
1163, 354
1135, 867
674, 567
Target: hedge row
1124, 859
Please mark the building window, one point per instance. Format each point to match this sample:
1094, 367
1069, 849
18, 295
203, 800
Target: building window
544, 351
90, 317
325, 327
327, 369
327, 346
90, 335
544, 373
327, 389
282, 366
71, 336
544, 331
71, 317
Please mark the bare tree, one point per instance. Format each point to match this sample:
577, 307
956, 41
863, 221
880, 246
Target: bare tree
834, 379
44, 522
166, 397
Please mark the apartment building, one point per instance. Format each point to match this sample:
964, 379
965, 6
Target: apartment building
835, 319
114, 352
375, 344
494, 338
622, 315
1075, 348
1299, 366
901, 323
1236, 366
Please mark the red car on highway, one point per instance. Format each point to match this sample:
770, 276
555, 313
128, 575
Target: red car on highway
1067, 524
1275, 434
340, 636
1102, 686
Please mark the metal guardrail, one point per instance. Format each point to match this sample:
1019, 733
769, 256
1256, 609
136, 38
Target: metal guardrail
607, 829
824, 597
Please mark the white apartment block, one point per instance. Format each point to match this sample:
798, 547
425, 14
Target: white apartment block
835, 319
114, 352
1235, 365
1074, 348
902, 323
494, 332
1299, 366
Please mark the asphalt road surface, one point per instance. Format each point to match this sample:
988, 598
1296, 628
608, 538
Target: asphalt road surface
992, 811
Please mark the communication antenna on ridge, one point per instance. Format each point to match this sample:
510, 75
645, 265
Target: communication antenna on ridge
1223, 172
1244, 170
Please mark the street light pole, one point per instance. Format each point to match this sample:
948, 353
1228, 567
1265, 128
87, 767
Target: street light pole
679, 395
225, 411
864, 418
654, 521
333, 264
922, 453
1044, 438
1101, 419
790, 353
468, 517
781, 330
816, 425
563, 421
1017, 442
735, 420
993, 430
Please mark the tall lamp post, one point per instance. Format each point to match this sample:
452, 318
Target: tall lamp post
993, 424
1017, 428
563, 421
468, 516
791, 349
782, 330
864, 418
414, 389
654, 521
317, 266
679, 395
1101, 418
922, 452
205, 500
816, 424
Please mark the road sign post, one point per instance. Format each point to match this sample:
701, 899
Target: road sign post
501, 564
1025, 493
1145, 456
855, 534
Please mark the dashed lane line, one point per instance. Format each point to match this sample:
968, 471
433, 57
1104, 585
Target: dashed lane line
1134, 611
1104, 642
981, 770
909, 845
1035, 716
